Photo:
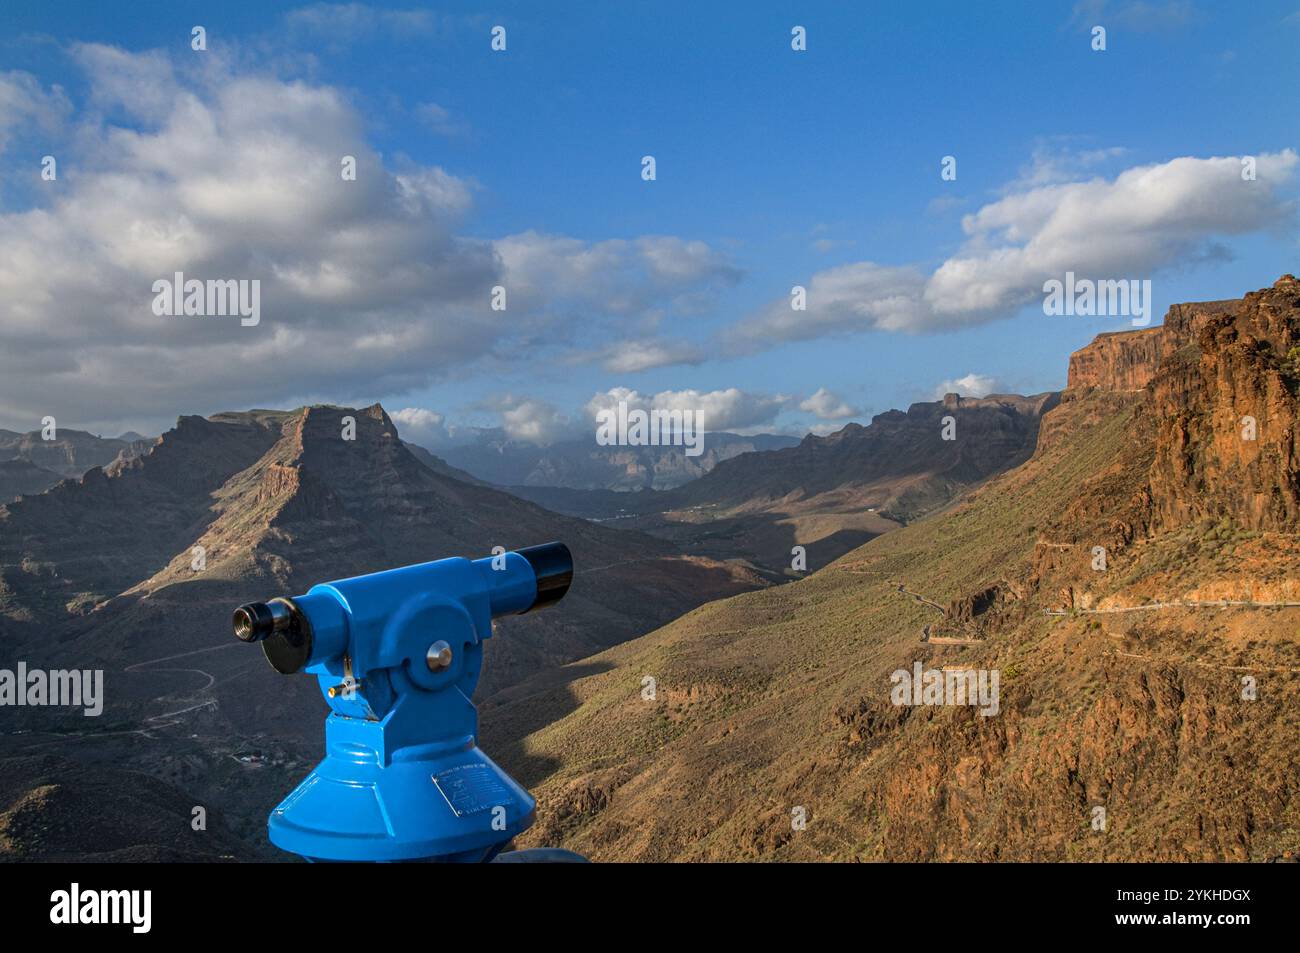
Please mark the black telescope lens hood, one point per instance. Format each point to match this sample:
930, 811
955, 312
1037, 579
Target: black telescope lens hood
553, 566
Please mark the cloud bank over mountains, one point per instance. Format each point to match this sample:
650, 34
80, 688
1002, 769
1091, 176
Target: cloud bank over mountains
538, 421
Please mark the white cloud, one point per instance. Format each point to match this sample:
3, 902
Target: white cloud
438, 119
972, 385
849, 297
827, 406
24, 101
616, 276
730, 409
628, 357
143, 84
534, 421
817, 430
366, 287
1053, 162
1142, 16
350, 21
231, 176
1146, 218
827, 245
427, 428
943, 204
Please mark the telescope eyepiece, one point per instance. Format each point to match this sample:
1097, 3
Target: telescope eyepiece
257, 621
253, 622
284, 632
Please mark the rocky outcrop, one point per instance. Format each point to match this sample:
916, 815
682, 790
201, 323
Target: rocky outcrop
69, 453
55, 809
1213, 399
297, 495
1126, 361
274, 501
84, 540
1225, 412
970, 606
1210, 439
1119, 361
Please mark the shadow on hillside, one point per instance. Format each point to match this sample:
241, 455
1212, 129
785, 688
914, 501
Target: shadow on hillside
764, 539
178, 617
507, 718
825, 551
17, 634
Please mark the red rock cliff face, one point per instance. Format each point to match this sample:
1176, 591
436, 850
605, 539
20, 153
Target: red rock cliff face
1218, 384
1128, 360
1225, 410
1120, 361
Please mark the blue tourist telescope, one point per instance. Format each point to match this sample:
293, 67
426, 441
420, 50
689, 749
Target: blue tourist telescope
398, 655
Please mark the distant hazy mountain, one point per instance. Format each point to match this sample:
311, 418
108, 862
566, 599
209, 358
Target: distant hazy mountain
22, 476
585, 465
30, 464
439, 465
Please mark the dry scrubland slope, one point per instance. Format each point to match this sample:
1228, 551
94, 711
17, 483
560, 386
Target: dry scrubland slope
780, 698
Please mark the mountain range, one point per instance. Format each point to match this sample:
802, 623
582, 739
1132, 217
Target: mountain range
1135, 583
1122, 555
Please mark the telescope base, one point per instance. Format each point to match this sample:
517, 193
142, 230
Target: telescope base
456, 806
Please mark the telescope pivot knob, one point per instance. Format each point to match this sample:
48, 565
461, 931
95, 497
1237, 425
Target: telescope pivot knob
438, 657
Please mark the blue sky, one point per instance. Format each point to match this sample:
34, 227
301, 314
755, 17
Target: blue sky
773, 167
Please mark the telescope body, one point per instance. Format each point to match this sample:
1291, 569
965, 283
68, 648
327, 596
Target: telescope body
398, 655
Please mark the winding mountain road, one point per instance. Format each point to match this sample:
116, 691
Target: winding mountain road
153, 722
1178, 604
169, 718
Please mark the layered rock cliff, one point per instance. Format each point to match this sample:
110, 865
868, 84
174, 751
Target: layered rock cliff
1225, 411
1118, 361
1123, 361
1215, 391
